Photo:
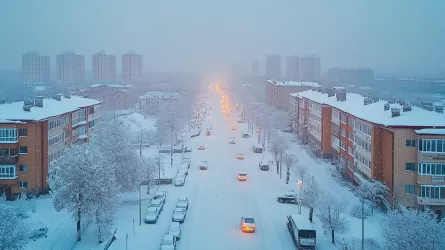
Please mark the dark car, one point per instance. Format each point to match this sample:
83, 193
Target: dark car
257, 149
246, 135
289, 197
264, 166
38, 233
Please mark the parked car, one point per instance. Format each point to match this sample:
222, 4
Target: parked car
186, 161
179, 215
152, 215
160, 195
168, 242
248, 225
246, 135
38, 231
183, 202
179, 181
288, 197
257, 149
187, 149
183, 169
263, 165
203, 165
157, 204
175, 230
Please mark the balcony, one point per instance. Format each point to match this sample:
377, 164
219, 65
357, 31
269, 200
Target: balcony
430, 201
430, 157
9, 159
430, 179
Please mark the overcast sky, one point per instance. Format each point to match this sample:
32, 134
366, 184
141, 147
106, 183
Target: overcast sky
207, 35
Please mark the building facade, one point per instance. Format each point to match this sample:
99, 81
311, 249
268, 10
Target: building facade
104, 67
70, 68
35, 68
358, 77
310, 68
273, 67
113, 96
131, 67
34, 134
293, 68
278, 93
152, 102
370, 139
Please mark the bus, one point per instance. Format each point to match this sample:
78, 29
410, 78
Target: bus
302, 232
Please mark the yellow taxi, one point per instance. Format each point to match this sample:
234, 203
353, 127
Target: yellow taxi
240, 156
242, 176
233, 126
248, 225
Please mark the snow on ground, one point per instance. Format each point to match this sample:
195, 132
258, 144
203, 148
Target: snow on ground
136, 121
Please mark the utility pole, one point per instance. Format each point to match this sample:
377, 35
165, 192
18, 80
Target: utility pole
159, 171
140, 205
363, 223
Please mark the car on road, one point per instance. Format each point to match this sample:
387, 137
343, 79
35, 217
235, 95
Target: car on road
152, 215
288, 197
203, 165
240, 156
157, 204
183, 202
208, 133
201, 147
168, 242
175, 230
242, 176
179, 215
233, 126
257, 149
248, 225
245, 135
187, 149
232, 140
240, 121
263, 165
160, 195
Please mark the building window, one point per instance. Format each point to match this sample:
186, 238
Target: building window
431, 145
7, 172
432, 191
343, 131
351, 122
351, 136
8, 135
409, 166
23, 150
343, 145
23, 184
23, 132
23, 168
410, 143
350, 151
342, 118
431, 169
410, 189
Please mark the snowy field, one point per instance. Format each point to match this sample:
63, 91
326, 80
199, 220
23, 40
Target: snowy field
217, 200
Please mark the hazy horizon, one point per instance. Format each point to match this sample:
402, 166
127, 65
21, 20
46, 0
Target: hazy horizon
202, 36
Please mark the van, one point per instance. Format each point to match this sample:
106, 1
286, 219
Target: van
302, 232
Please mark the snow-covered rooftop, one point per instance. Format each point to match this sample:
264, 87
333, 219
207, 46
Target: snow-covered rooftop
110, 85
160, 95
293, 83
430, 131
51, 107
375, 112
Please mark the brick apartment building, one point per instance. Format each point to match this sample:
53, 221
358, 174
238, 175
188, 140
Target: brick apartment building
277, 92
112, 96
153, 101
35, 133
394, 142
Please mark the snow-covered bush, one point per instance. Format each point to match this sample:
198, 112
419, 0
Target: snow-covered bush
356, 243
356, 212
374, 192
13, 231
413, 229
331, 215
22, 206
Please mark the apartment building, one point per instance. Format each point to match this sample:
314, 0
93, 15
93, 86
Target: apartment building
400, 144
278, 92
131, 67
70, 68
35, 133
104, 67
35, 68
310, 68
152, 102
112, 96
293, 68
273, 67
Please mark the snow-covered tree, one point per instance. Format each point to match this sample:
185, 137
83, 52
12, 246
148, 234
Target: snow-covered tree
13, 231
279, 119
331, 215
22, 206
112, 140
373, 192
80, 183
290, 161
310, 194
278, 147
413, 229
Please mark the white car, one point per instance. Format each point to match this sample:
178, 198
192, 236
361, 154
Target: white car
183, 202
175, 230
203, 165
168, 242
232, 140
186, 161
160, 195
183, 170
152, 215
179, 215
179, 181
159, 204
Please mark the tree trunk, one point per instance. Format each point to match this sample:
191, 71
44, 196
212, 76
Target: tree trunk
276, 161
311, 213
333, 237
99, 234
79, 219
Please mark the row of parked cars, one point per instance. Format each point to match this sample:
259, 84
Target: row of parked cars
174, 231
183, 171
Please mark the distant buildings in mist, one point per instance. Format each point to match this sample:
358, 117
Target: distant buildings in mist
70, 67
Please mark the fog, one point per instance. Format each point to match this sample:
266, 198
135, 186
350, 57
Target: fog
207, 36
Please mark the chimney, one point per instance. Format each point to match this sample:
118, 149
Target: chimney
28, 102
391, 101
341, 96
40, 97
428, 107
67, 95
27, 108
331, 94
38, 102
402, 102
395, 112
406, 108
386, 107
57, 97
426, 103
367, 101
438, 109
375, 99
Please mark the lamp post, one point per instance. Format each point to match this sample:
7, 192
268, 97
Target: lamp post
182, 145
300, 186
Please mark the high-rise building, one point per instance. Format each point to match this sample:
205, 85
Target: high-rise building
255, 68
293, 68
131, 67
237, 73
35, 68
104, 67
273, 67
310, 68
70, 68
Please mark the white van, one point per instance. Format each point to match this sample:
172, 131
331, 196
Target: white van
302, 232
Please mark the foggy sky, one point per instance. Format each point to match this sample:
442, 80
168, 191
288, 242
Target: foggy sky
208, 35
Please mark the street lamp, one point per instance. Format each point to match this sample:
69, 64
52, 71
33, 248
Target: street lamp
182, 145
300, 186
